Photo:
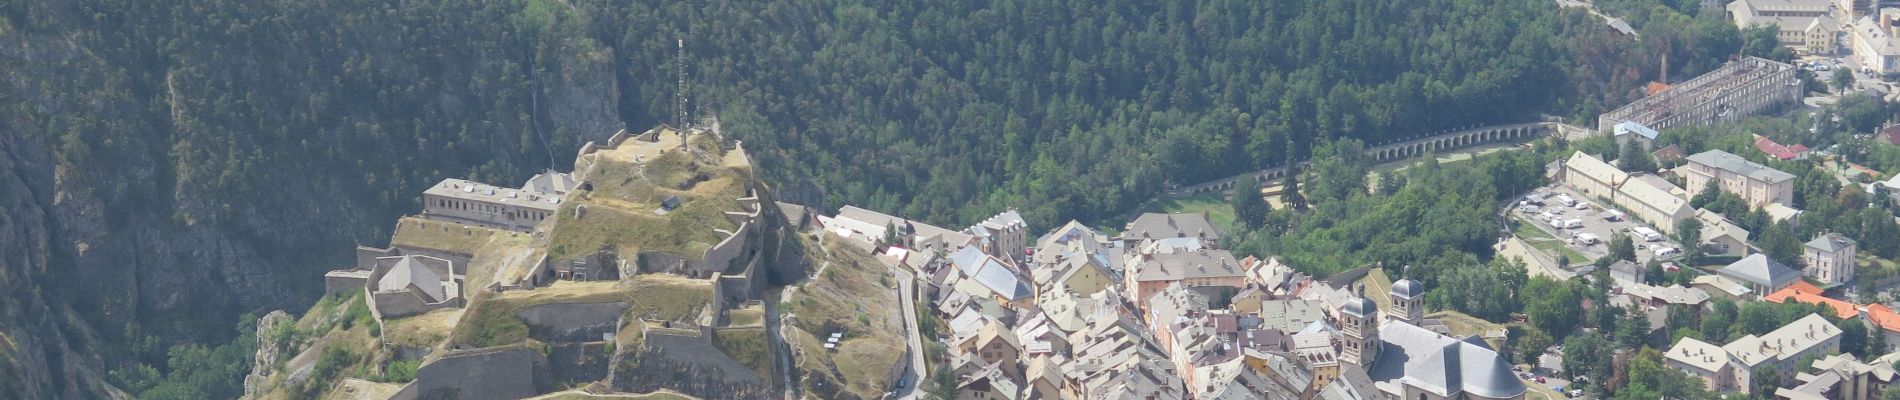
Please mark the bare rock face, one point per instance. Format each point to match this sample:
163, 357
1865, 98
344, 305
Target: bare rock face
268, 350
131, 195
41, 354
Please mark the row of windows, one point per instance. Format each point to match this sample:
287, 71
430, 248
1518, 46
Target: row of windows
511, 213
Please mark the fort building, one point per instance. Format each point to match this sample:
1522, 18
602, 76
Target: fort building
480, 204
1739, 88
412, 284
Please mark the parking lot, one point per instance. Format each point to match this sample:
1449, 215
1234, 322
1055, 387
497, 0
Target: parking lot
1823, 66
1573, 242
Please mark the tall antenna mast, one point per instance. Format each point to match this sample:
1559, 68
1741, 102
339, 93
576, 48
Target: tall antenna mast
680, 64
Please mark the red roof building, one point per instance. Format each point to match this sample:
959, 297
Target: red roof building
1804, 292
1779, 151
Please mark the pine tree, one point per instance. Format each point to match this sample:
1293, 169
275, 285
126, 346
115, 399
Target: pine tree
890, 234
1249, 208
1290, 191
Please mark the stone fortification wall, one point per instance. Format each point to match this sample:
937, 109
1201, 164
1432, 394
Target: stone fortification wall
335, 284
397, 304
719, 257
366, 256
686, 361
570, 363
572, 322
458, 262
498, 374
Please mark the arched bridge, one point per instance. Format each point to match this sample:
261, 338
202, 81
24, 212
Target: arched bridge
1402, 149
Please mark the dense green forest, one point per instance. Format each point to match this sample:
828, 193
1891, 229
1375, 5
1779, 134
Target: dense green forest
948, 111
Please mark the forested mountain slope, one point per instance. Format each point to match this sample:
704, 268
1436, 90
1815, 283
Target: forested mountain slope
191, 161
179, 163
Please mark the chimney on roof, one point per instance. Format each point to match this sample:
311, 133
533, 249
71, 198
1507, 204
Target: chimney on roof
1664, 75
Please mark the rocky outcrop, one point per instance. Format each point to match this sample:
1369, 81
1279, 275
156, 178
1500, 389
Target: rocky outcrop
268, 350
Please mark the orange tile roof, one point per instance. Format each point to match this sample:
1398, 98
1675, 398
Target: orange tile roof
1804, 292
1654, 87
1883, 317
1803, 286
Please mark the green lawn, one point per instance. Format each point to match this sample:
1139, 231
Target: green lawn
746, 345
1377, 284
1214, 204
492, 321
1462, 324
1455, 156
1546, 243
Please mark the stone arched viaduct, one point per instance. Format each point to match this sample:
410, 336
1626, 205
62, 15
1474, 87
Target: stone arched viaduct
1393, 151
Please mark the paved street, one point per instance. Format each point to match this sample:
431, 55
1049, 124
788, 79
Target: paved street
781, 352
905, 294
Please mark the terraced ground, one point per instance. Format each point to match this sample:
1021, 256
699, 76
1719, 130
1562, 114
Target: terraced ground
850, 296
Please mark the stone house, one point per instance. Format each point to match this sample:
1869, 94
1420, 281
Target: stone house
1830, 258
1591, 176
1150, 273
1757, 184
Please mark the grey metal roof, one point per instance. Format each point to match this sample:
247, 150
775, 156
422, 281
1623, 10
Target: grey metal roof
998, 278
1761, 270
1160, 226
968, 259
1741, 166
410, 271
1629, 127
550, 182
1830, 242
927, 235
1188, 265
1359, 307
461, 189
1441, 364
1408, 289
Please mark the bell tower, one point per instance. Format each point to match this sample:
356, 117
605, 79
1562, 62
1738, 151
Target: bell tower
1359, 321
1408, 298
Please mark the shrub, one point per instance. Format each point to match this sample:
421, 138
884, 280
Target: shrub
400, 371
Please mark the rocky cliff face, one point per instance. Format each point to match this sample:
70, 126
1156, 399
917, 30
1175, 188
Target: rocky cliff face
140, 186
39, 358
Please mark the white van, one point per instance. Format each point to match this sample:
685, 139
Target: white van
1667, 252
1573, 223
1649, 235
1588, 239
